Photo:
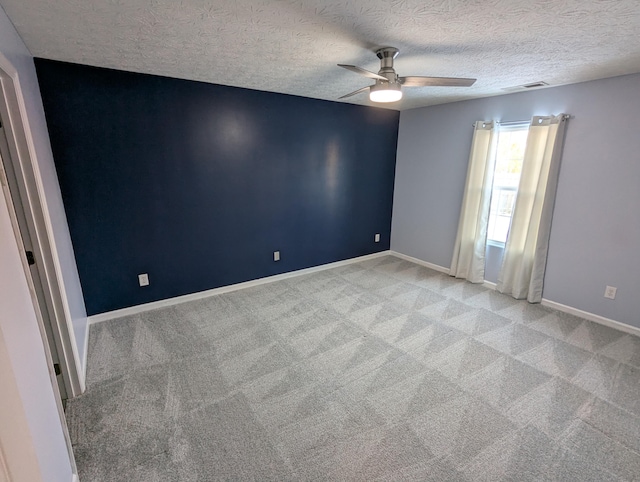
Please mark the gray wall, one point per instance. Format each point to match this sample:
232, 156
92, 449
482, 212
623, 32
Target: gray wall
15, 51
595, 235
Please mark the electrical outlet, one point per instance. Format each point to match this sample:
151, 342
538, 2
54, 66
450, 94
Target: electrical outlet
143, 279
276, 255
610, 292
376, 238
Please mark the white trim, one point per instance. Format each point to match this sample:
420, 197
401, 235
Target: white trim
495, 244
133, 310
86, 354
634, 330
489, 284
617, 325
426, 264
545, 302
270, 279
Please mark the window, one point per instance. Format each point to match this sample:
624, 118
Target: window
512, 141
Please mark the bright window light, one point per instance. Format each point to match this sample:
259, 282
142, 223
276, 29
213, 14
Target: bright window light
512, 141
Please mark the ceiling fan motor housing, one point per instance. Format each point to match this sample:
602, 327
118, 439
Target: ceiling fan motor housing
386, 56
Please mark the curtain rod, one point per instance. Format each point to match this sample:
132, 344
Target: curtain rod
507, 123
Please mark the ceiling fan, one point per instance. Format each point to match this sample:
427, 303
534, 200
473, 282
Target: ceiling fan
388, 86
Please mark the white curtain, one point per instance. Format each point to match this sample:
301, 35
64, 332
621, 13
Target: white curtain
525, 255
469, 249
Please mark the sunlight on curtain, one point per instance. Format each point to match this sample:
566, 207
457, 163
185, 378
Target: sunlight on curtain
525, 255
469, 249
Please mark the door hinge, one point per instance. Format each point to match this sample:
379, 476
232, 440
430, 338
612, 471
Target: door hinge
30, 258
56, 368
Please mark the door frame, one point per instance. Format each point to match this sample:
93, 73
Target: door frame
10, 183
24, 162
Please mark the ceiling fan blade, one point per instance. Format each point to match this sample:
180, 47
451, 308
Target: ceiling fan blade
354, 92
436, 82
364, 72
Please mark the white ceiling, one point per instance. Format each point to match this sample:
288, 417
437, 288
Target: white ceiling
293, 46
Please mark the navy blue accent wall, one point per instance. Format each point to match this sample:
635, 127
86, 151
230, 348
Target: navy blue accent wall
197, 184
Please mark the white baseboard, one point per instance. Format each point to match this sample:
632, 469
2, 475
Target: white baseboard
225, 289
86, 352
617, 325
270, 279
592, 317
545, 302
426, 264
582, 314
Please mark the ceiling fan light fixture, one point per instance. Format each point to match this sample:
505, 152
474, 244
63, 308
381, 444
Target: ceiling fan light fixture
385, 92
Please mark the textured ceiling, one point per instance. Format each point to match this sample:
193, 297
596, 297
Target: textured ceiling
293, 46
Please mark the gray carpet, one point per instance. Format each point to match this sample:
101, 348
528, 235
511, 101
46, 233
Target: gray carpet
380, 370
